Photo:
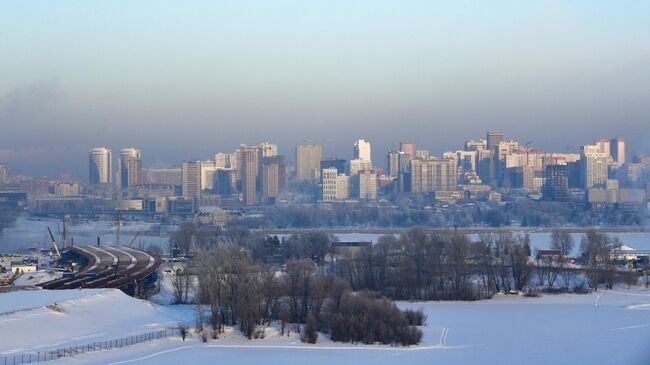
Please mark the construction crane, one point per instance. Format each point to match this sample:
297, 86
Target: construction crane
137, 234
56, 248
64, 236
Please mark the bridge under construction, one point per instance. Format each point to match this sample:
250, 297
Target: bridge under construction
122, 267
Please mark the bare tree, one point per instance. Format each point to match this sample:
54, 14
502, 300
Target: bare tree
563, 241
181, 284
183, 329
298, 279
183, 238
519, 261
630, 277
598, 261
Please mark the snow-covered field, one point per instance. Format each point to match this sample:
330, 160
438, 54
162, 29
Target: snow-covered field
611, 327
43, 320
35, 278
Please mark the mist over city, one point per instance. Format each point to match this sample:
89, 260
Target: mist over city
183, 82
353, 182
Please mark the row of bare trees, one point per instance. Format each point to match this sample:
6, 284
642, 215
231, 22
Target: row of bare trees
239, 279
432, 266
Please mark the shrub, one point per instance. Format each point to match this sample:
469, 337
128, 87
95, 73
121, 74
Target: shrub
183, 329
310, 334
581, 289
415, 317
363, 318
259, 333
531, 292
554, 290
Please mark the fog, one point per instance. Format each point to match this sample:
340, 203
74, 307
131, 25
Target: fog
184, 80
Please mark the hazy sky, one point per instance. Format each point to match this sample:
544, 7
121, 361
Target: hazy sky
184, 79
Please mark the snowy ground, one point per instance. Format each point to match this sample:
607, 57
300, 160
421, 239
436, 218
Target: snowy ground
611, 327
43, 320
35, 278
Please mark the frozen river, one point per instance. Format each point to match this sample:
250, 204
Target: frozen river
33, 233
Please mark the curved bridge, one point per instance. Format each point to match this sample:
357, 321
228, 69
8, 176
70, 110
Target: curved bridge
107, 267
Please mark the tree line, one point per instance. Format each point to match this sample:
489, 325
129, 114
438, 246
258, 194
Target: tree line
251, 279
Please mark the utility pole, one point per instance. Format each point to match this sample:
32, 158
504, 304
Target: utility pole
117, 230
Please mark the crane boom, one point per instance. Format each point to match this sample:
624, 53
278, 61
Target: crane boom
56, 248
137, 234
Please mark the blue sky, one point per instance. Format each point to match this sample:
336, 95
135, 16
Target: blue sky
183, 79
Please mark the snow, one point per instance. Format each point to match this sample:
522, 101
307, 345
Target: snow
34, 278
166, 285
26, 300
79, 317
606, 327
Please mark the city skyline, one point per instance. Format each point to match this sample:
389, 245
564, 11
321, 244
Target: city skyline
368, 182
182, 81
80, 173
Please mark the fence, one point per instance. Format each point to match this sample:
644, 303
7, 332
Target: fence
42, 356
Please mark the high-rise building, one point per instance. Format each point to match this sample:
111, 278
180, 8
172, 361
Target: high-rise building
604, 145
67, 189
522, 177
225, 181
362, 150
357, 165
308, 159
208, 170
493, 139
363, 185
221, 160
408, 148
100, 166
163, 176
485, 165
423, 154
467, 161
329, 175
556, 187
191, 176
337, 163
501, 151
249, 167
617, 150
130, 167
342, 187
335, 186
3, 174
392, 163
434, 174
273, 176
473, 145
268, 149
593, 166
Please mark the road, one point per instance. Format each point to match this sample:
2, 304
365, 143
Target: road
468, 230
